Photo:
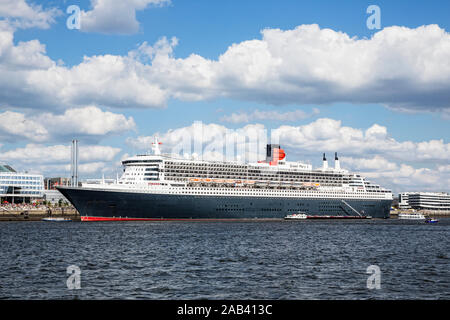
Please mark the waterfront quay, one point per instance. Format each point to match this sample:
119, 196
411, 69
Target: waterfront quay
26, 212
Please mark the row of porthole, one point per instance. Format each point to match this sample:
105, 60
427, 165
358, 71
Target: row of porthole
217, 191
252, 194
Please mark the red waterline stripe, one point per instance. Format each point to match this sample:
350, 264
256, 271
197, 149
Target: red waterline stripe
336, 217
96, 219
92, 219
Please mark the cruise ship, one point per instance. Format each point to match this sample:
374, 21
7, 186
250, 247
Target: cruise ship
168, 187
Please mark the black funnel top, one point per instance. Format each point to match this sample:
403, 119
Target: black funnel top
269, 151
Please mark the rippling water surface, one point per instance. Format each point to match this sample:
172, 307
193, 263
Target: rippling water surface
225, 260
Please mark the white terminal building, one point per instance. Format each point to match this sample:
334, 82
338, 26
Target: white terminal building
424, 201
18, 187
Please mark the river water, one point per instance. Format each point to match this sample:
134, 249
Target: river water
225, 260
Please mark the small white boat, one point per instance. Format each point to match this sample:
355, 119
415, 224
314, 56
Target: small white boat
296, 216
411, 216
56, 219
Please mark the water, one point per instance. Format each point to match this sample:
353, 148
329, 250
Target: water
225, 260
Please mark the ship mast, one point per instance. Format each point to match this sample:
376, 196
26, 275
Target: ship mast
155, 147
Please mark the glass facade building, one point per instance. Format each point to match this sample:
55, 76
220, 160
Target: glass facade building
17, 187
425, 201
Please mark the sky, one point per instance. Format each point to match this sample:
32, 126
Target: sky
315, 76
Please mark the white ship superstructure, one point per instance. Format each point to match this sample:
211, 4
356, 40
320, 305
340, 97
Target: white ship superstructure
175, 174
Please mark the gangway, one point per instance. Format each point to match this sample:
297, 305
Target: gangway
353, 209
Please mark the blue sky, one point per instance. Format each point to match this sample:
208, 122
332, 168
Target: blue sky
414, 116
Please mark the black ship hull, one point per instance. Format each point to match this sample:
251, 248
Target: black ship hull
120, 205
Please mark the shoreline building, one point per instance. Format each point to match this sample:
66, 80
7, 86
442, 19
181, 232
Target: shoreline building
425, 201
18, 187
52, 183
51, 194
54, 197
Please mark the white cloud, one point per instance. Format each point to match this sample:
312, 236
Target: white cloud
102, 80
53, 170
88, 121
400, 67
408, 178
115, 16
88, 168
377, 163
32, 80
141, 142
41, 154
403, 68
15, 126
54, 160
20, 14
257, 115
444, 168
400, 176
25, 56
210, 141
329, 135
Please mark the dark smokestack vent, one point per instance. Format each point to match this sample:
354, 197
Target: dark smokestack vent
324, 159
270, 149
335, 156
